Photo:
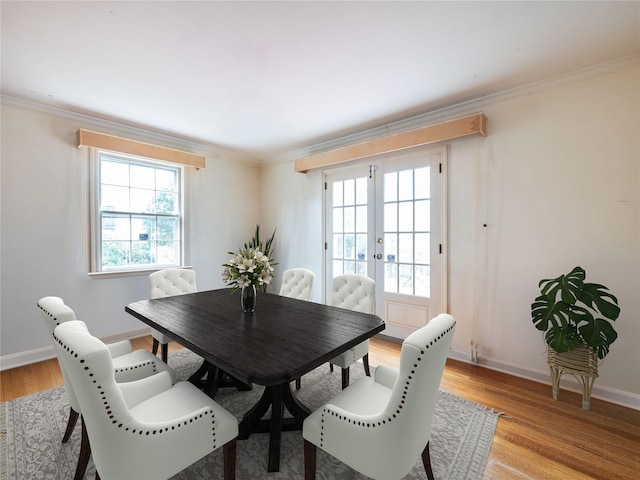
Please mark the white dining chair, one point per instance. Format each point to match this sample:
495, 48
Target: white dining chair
147, 429
357, 293
297, 283
381, 426
129, 365
166, 283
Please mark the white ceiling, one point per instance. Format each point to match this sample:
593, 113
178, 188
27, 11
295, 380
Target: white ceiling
262, 78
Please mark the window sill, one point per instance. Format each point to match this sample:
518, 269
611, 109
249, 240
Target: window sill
129, 273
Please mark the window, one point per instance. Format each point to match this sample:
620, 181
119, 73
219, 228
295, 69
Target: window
138, 213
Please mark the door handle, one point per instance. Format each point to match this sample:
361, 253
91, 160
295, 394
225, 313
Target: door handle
378, 256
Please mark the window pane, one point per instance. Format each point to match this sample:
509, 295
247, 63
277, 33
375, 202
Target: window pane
391, 247
349, 219
142, 254
423, 281
422, 183
116, 227
349, 267
391, 278
337, 194
114, 198
143, 228
390, 187
422, 248
142, 176
423, 216
337, 268
405, 214
114, 173
361, 219
350, 192
142, 200
349, 246
337, 220
361, 191
405, 247
168, 228
406, 279
390, 217
361, 247
168, 253
167, 203
338, 246
361, 268
115, 254
405, 185
166, 180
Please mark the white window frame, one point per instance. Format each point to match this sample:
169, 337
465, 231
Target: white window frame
95, 267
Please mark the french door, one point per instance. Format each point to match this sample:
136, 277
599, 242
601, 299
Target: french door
387, 220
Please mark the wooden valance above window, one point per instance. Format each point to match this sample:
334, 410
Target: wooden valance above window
460, 127
87, 138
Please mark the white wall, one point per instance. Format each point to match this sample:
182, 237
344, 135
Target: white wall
45, 229
557, 182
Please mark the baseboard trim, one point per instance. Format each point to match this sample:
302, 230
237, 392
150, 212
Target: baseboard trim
568, 382
45, 353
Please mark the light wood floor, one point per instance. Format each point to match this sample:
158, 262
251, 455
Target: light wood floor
539, 438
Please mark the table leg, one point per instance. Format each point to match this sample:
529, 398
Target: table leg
277, 397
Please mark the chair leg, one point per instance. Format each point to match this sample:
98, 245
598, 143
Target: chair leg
309, 461
165, 352
71, 423
154, 348
345, 378
426, 460
229, 453
365, 362
85, 453
298, 383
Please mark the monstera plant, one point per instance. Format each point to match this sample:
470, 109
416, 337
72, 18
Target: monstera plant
574, 313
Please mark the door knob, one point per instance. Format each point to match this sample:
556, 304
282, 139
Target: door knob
378, 256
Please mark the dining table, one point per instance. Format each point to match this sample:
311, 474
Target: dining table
279, 342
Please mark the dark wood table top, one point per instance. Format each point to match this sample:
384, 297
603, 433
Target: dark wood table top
282, 340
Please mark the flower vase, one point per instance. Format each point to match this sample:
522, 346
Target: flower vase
248, 298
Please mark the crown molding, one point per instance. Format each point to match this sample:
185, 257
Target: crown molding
459, 109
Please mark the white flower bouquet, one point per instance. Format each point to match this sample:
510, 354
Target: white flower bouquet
248, 267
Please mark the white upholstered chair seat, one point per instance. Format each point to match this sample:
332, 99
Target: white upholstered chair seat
166, 283
146, 429
345, 359
381, 426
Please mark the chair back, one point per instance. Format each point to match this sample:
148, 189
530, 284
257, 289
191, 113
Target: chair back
409, 413
353, 292
54, 312
297, 283
172, 281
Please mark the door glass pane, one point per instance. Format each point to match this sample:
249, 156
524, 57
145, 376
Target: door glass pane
423, 216
405, 248
391, 277
349, 246
349, 219
390, 217
422, 183
406, 279
338, 245
361, 218
405, 185
390, 247
337, 194
361, 191
423, 281
405, 217
391, 187
350, 192
422, 248
337, 220
361, 247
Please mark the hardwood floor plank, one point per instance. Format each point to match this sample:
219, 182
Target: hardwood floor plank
538, 438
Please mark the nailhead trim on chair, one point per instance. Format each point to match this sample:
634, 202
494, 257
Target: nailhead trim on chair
404, 396
133, 430
50, 314
135, 367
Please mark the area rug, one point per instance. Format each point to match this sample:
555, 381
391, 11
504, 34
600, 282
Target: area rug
31, 429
